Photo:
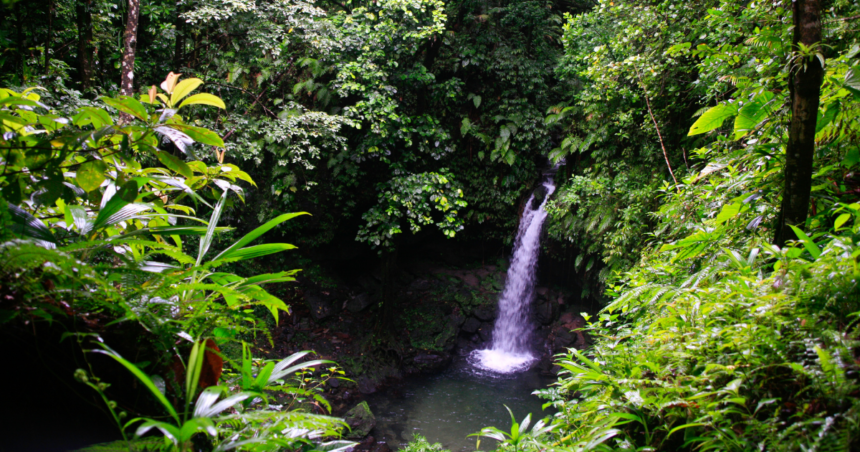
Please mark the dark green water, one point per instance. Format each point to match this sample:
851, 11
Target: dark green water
447, 407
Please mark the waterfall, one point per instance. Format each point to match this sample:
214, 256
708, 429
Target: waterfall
510, 351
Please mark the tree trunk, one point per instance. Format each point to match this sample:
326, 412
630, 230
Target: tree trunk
805, 85
22, 46
83, 10
126, 87
179, 49
48, 36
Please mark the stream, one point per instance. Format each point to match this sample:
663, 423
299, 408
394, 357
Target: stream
449, 406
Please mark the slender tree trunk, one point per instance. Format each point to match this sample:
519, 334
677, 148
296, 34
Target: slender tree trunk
85, 42
48, 36
129, 46
126, 87
805, 88
179, 49
19, 37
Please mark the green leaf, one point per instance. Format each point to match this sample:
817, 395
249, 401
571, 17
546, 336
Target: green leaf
90, 175
807, 242
128, 191
728, 212
28, 226
712, 119
754, 112
852, 80
184, 88
173, 163
117, 210
681, 427
204, 99
841, 220
251, 236
140, 376
465, 126
206, 241
128, 105
200, 135
252, 252
852, 157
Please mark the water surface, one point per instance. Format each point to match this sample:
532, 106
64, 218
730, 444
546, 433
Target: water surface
448, 406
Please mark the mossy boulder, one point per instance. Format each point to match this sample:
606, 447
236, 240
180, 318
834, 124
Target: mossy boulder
360, 420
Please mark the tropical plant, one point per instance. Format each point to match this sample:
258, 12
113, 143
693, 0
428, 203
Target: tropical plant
520, 435
238, 429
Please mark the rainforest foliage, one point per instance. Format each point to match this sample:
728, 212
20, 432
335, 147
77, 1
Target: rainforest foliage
676, 126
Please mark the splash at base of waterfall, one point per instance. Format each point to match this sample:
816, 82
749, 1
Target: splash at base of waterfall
500, 361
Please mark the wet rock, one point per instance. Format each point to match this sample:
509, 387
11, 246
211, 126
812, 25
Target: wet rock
361, 421
567, 317
419, 285
358, 302
470, 280
485, 312
430, 362
321, 306
445, 339
471, 325
486, 331
457, 319
545, 311
563, 339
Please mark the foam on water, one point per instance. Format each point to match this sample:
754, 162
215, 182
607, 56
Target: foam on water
512, 332
501, 361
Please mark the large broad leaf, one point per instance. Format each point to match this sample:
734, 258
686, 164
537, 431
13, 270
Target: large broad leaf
204, 99
173, 163
200, 135
118, 208
852, 81
128, 105
30, 227
181, 140
183, 89
91, 174
712, 119
251, 236
754, 112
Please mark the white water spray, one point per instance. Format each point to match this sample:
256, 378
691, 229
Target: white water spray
512, 332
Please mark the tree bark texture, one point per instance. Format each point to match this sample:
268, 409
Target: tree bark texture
805, 92
83, 10
48, 36
179, 48
126, 87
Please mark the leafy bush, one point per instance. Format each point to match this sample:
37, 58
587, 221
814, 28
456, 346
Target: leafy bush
94, 234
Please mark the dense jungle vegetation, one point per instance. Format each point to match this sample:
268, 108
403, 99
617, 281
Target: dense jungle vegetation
158, 157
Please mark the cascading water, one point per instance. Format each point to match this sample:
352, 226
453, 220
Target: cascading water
512, 332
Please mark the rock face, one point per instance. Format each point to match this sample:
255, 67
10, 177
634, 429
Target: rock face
358, 303
567, 333
360, 420
472, 324
320, 305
